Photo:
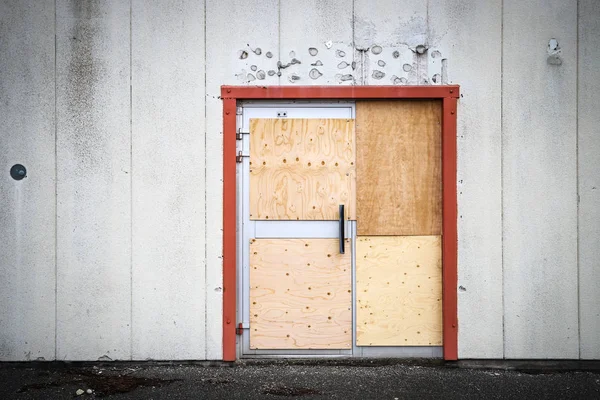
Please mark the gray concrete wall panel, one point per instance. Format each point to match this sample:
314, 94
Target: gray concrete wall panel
387, 34
27, 214
232, 48
93, 180
168, 181
540, 179
589, 178
117, 229
461, 27
318, 35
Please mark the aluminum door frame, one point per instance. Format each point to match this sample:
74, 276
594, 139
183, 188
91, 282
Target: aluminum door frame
248, 229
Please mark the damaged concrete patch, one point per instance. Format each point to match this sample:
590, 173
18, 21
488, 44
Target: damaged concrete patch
280, 65
315, 73
554, 52
377, 74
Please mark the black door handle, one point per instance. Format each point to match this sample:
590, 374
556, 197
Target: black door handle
342, 230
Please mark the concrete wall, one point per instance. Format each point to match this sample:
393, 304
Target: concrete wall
112, 244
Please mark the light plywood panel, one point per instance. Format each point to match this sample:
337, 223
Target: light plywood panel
300, 294
399, 166
399, 291
301, 169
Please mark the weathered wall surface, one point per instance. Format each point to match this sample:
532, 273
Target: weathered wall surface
27, 207
112, 244
465, 26
540, 180
168, 183
93, 160
588, 119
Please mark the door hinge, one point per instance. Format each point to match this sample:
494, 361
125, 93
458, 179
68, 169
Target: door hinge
240, 329
281, 114
240, 157
238, 111
239, 133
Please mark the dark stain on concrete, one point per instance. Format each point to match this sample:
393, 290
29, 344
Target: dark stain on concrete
85, 70
101, 385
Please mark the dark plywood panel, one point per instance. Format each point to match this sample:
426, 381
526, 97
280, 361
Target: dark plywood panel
399, 167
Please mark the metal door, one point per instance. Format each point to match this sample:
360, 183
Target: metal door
297, 180
297, 293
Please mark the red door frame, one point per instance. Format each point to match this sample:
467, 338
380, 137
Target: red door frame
448, 95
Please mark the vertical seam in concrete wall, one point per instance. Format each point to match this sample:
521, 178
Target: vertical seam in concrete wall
502, 171
427, 28
577, 178
353, 42
131, 179
55, 195
279, 36
205, 195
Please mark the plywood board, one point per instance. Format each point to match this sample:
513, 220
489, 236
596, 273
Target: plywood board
399, 165
399, 291
302, 169
300, 294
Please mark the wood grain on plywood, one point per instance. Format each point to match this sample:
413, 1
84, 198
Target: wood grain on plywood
302, 169
399, 166
300, 294
399, 291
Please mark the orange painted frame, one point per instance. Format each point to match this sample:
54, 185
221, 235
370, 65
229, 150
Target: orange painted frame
448, 95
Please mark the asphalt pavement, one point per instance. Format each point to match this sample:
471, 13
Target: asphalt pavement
280, 379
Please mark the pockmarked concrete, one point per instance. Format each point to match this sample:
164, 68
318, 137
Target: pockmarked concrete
281, 379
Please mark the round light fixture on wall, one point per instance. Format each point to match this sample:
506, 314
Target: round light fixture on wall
18, 172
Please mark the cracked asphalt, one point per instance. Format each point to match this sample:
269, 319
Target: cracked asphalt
279, 379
